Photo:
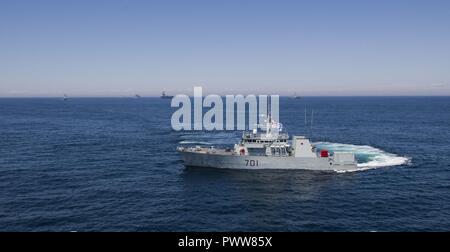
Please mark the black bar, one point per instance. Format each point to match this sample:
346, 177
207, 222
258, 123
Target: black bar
260, 241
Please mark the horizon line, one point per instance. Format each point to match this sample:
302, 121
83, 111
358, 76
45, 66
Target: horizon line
151, 96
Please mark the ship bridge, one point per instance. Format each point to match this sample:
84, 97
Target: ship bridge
252, 137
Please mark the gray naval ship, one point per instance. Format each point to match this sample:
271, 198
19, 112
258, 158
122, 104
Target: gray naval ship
268, 147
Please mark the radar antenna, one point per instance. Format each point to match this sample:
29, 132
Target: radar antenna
311, 125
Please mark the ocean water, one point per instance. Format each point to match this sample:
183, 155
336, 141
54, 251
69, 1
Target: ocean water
109, 164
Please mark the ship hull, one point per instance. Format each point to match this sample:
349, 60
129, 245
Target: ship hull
195, 159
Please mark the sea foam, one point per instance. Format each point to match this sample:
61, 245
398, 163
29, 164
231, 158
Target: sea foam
368, 157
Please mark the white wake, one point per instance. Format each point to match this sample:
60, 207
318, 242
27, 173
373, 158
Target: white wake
367, 156
194, 142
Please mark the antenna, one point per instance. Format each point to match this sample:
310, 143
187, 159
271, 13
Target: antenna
267, 120
311, 123
305, 117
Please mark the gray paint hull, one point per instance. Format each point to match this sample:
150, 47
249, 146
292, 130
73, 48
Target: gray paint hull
262, 162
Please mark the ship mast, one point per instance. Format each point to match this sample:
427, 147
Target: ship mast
268, 119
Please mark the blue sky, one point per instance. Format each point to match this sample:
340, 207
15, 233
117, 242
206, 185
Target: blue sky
120, 48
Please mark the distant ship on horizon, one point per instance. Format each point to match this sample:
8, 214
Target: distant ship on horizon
164, 96
295, 96
65, 97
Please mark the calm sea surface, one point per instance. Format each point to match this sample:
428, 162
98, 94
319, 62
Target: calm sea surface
110, 164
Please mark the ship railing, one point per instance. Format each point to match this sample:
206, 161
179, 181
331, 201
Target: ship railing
250, 135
